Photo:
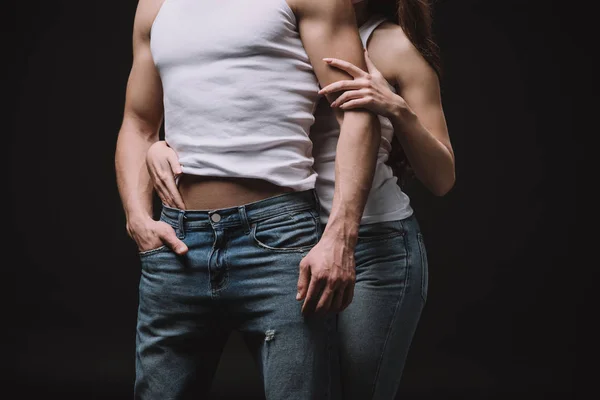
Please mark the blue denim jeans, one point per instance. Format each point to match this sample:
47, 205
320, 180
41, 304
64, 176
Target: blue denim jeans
241, 273
375, 331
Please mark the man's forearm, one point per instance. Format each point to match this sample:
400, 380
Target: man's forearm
133, 180
356, 157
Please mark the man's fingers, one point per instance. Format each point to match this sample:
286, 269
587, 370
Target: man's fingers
303, 279
325, 301
170, 239
312, 296
347, 296
338, 298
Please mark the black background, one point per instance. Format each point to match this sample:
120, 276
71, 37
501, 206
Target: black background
504, 283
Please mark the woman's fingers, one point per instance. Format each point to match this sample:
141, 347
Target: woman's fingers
345, 66
349, 95
356, 103
370, 66
173, 192
165, 180
343, 85
174, 163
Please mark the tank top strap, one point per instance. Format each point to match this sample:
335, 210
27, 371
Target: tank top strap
366, 29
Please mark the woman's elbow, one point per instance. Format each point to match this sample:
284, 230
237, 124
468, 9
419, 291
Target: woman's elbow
443, 186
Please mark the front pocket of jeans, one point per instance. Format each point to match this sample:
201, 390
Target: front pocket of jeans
379, 234
287, 232
424, 267
147, 253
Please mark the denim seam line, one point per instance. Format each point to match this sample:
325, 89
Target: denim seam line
398, 304
261, 245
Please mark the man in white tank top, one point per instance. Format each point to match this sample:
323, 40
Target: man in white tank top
250, 219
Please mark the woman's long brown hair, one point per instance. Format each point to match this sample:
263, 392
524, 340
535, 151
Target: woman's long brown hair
416, 20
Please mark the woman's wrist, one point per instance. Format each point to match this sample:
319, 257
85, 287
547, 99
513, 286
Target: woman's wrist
402, 116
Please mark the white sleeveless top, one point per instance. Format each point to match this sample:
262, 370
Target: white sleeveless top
239, 89
386, 202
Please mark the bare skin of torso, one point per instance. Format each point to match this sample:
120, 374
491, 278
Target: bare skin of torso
212, 193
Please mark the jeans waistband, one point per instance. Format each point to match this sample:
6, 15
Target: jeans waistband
243, 215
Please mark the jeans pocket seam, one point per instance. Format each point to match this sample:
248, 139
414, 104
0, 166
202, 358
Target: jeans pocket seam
367, 239
261, 245
150, 252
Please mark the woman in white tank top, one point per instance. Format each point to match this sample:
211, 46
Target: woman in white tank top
402, 86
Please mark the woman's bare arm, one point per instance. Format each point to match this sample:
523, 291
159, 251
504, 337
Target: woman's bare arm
419, 121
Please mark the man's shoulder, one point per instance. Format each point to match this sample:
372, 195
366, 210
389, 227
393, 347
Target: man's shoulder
145, 14
319, 6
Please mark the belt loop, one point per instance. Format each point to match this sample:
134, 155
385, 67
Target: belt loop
244, 218
180, 225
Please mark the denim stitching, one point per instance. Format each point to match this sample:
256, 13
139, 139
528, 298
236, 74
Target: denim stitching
152, 251
284, 250
424, 267
398, 304
225, 280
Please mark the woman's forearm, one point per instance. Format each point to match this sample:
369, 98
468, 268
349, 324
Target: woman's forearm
431, 160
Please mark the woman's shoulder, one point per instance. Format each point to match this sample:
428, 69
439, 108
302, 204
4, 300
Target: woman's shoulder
394, 54
390, 38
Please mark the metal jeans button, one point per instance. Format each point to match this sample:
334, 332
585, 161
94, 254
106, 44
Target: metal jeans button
215, 217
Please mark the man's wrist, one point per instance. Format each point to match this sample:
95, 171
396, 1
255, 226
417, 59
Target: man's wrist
342, 229
137, 218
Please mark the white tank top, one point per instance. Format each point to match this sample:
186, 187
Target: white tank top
386, 202
239, 89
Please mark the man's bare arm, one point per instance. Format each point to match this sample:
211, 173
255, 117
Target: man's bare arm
328, 29
142, 118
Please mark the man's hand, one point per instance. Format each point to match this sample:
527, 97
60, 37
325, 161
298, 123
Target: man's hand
327, 276
150, 234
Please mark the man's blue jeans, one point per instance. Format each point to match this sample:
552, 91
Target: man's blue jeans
241, 273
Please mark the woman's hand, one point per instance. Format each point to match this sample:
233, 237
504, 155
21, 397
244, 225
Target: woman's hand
163, 166
368, 90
